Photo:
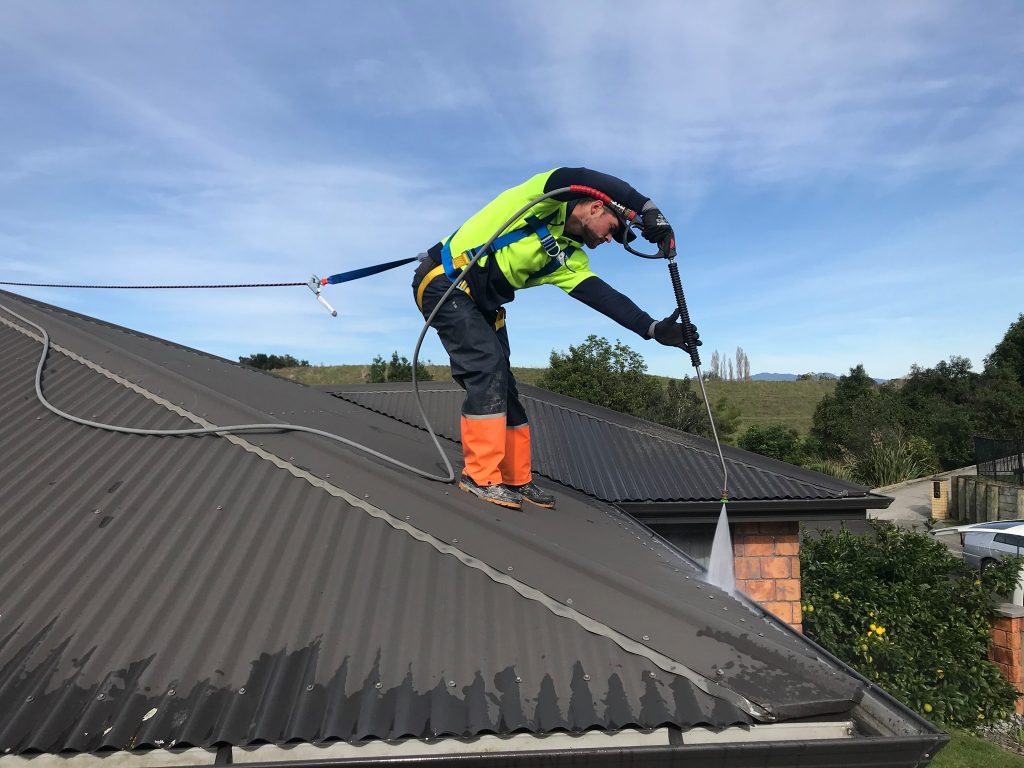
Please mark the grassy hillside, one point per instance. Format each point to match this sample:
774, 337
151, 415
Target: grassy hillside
790, 403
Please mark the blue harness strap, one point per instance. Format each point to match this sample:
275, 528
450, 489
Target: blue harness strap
453, 266
355, 274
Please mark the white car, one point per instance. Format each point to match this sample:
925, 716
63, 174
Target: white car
986, 543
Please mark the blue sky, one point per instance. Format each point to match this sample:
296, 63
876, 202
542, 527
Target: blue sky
845, 179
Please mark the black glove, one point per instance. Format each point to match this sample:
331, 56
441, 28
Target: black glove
655, 226
670, 332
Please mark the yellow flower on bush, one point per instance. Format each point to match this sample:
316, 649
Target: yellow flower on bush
927, 707
871, 614
836, 596
940, 674
880, 631
871, 627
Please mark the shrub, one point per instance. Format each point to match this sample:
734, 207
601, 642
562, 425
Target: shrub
899, 608
776, 441
891, 459
266, 362
397, 369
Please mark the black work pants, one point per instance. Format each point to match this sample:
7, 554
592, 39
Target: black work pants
477, 345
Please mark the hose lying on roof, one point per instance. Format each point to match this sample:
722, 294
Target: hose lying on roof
217, 430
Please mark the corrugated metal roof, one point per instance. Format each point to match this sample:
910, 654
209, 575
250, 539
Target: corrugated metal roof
199, 591
613, 456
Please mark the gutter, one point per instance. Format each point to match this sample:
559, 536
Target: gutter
873, 752
760, 510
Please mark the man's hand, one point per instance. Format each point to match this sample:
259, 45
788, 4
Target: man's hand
655, 226
670, 332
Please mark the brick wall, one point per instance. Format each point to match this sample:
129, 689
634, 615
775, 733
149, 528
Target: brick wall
767, 563
1005, 649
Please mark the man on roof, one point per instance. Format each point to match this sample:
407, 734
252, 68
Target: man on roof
471, 324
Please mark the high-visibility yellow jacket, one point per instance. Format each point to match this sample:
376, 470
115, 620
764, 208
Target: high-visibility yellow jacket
525, 263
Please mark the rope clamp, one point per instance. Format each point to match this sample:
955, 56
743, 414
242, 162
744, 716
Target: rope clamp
314, 284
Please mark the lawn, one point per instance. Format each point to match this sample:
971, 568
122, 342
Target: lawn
967, 751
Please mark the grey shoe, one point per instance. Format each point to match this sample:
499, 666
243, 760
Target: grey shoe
499, 494
533, 493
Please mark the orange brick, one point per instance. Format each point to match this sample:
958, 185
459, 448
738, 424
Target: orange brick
794, 566
1001, 655
1018, 706
784, 610
1013, 641
744, 529
775, 567
747, 567
788, 589
760, 591
999, 637
787, 546
758, 545
797, 625
777, 529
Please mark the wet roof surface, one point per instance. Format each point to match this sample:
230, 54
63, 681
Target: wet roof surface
160, 590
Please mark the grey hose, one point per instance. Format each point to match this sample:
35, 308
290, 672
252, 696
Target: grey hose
214, 430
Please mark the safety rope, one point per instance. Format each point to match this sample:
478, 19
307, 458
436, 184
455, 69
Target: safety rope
238, 285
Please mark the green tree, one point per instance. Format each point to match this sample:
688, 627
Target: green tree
267, 362
846, 421
615, 376
775, 441
899, 608
1009, 353
397, 369
598, 372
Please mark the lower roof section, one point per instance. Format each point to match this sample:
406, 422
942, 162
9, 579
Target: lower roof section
620, 458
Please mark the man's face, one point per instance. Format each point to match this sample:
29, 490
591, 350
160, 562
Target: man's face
599, 225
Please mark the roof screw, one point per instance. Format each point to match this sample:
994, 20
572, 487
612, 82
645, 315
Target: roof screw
849, 732
291, 458
241, 691
743, 620
407, 517
568, 601
328, 474
720, 672
219, 508
30, 699
711, 597
647, 637
451, 683
378, 685
171, 692
519, 679
309, 687
455, 541
760, 634
509, 569
652, 675
366, 495
100, 697
724, 608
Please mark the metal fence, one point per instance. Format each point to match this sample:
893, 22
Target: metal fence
1000, 459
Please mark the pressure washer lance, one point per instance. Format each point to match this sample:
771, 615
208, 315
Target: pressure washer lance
669, 252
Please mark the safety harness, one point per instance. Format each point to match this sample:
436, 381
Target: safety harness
453, 266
